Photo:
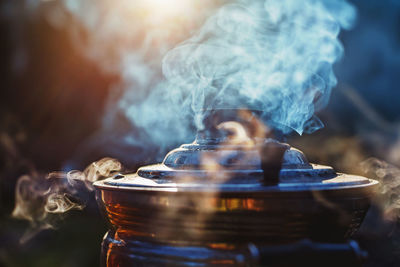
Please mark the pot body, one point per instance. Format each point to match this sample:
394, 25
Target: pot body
189, 228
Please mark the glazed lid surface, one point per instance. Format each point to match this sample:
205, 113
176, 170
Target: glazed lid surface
226, 167
224, 158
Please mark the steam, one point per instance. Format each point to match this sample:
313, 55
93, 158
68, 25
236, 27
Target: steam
388, 175
44, 200
274, 56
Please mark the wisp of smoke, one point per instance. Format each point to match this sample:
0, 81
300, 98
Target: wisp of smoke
389, 197
273, 56
44, 200
268, 55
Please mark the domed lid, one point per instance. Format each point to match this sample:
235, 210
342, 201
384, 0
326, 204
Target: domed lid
232, 154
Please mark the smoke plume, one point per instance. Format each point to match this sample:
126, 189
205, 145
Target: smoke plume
389, 197
44, 200
273, 56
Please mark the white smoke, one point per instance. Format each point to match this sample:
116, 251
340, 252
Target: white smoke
389, 198
44, 200
274, 56
269, 55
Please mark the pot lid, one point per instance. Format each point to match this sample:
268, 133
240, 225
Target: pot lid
224, 158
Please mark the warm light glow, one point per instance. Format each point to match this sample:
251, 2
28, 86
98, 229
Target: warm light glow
161, 10
168, 5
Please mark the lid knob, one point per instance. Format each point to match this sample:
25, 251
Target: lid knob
272, 156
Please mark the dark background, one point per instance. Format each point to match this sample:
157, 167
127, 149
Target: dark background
52, 101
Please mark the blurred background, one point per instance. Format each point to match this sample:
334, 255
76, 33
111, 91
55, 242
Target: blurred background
67, 68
